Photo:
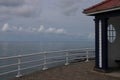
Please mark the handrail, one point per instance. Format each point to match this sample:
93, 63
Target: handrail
26, 55
65, 57
8, 65
55, 57
31, 61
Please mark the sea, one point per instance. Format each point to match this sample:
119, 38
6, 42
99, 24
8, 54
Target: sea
13, 48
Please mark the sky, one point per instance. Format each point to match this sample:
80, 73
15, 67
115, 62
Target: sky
42, 20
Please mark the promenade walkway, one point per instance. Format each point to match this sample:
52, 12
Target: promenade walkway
74, 71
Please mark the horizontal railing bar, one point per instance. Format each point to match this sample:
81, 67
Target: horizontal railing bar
31, 61
8, 65
39, 53
78, 57
34, 61
55, 57
90, 49
11, 57
76, 53
91, 54
31, 67
92, 57
8, 72
21, 63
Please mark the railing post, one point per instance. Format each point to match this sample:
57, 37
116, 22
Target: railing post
45, 62
87, 55
18, 66
66, 58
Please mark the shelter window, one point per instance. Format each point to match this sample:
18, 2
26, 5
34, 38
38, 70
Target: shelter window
111, 33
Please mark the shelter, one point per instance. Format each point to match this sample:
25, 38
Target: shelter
107, 33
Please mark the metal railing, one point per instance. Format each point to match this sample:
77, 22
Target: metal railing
45, 59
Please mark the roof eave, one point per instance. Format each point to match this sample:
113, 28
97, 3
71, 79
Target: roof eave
101, 11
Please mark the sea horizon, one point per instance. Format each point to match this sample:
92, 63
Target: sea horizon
13, 48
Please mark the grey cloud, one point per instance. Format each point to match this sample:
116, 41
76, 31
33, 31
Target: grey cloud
19, 8
4, 18
11, 2
69, 3
70, 7
25, 11
70, 11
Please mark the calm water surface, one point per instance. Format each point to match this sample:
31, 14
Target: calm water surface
19, 48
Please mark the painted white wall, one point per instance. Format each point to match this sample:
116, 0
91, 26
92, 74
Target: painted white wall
114, 48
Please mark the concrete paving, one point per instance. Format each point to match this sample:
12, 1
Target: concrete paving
74, 71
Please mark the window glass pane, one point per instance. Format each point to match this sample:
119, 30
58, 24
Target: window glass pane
111, 33
114, 33
108, 34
